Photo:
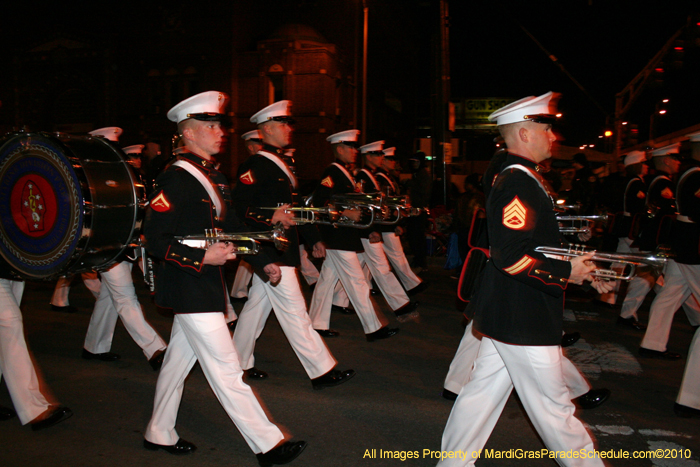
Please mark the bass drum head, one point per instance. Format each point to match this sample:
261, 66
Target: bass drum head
41, 208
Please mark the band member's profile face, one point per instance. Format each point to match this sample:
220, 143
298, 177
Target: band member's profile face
204, 138
347, 154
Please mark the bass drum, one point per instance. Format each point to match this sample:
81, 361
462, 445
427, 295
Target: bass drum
68, 204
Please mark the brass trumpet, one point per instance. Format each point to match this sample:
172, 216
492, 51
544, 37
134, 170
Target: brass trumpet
656, 260
579, 224
245, 243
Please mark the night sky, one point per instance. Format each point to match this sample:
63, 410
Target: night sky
603, 44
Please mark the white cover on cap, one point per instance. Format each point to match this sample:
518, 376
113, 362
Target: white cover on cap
278, 109
666, 150
135, 149
634, 157
694, 137
255, 134
516, 111
112, 133
389, 151
372, 147
205, 102
344, 137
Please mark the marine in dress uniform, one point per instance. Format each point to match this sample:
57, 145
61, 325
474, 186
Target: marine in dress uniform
265, 180
342, 247
17, 367
244, 273
190, 197
634, 211
373, 255
391, 235
117, 299
522, 327
682, 275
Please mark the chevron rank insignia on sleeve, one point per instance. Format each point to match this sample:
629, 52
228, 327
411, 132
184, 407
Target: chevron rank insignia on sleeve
160, 203
247, 178
327, 182
514, 215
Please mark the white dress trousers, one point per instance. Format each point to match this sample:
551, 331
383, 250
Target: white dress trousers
344, 266
397, 258
60, 292
680, 282
375, 259
463, 362
117, 298
15, 363
308, 270
204, 337
689, 394
536, 373
289, 306
244, 274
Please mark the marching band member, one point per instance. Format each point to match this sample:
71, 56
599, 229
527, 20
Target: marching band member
682, 275
17, 367
373, 255
518, 308
191, 196
391, 234
244, 273
117, 299
634, 210
266, 179
342, 246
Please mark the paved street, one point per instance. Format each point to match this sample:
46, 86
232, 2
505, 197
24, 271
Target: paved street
393, 404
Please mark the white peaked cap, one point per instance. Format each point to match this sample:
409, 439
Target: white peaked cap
666, 150
277, 111
377, 146
694, 137
207, 105
112, 133
389, 151
255, 134
634, 157
135, 149
541, 109
347, 136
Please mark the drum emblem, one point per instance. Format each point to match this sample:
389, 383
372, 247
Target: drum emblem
34, 203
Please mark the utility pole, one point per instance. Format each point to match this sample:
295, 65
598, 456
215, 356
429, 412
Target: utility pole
441, 134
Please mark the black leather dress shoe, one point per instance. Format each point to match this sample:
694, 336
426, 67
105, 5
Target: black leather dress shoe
449, 395
156, 361
254, 373
232, 325
64, 309
332, 378
105, 357
327, 332
592, 398
56, 415
666, 355
407, 312
282, 454
6, 414
684, 411
179, 448
570, 339
239, 299
383, 333
342, 309
419, 288
630, 323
